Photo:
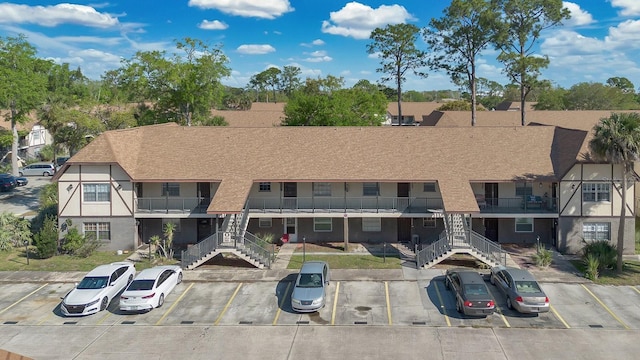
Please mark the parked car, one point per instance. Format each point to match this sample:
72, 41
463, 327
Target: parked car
7, 182
150, 287
521, 289
60, 160
39, 168
471, 292
310, 288
21, 181
96, 290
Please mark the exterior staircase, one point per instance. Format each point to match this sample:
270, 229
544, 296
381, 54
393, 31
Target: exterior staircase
458, 238
233, 238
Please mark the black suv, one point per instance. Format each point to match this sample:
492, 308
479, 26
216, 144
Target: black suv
7, 182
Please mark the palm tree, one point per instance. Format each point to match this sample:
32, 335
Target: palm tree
617, 140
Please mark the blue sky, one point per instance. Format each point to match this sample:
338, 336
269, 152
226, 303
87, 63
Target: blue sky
322, 37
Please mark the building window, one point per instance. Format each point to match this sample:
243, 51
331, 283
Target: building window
264, 222
175, 222
99, 230
96, 192
524, 189
265, 187
372, 224
594, 192
170, 189
321, 189
429, 222
370, 189
524, 225
429, 187
322, 225
596, 231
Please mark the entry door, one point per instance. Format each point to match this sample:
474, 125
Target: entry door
290, 228
403, 196
404, 229
491, 229
204, 193
290, 193
205, 228
491, 194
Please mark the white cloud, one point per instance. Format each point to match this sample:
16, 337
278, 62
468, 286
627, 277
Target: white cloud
629, 7
55, 15
316, 59
316, 42
357, 20
265, 9
212, 25
625, 35
578, 16
254, 49
95, 55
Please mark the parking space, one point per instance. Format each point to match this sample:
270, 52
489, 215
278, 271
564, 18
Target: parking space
380, 303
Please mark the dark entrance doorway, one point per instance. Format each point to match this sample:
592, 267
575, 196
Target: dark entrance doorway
204, 194
491, 229
206, 228
290, 193
491, 194
403, 196
404, 229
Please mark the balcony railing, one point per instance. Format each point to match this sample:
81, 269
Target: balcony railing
519, 204
171, 205
329, 204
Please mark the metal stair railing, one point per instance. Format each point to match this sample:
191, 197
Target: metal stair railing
251, 246
488, 248
197, 251
430, 252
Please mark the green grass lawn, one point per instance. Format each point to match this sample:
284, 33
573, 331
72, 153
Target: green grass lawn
15, 259
630, 274
349, 261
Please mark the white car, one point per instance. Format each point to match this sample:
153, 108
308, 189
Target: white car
150, 287
96, 290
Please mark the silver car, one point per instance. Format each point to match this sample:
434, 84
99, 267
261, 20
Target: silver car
309, 291
37, 169
521, 289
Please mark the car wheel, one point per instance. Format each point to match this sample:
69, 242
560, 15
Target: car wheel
509, 304
104, 304
179, 278
130, 279
458, 307
161, 300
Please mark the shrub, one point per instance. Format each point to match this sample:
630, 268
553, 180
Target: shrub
90, 245
73, 241
602, 250
543, 256
14, 231
46, 240
592, 265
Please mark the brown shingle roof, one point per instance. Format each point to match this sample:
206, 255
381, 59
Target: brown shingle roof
260, 115
237, 157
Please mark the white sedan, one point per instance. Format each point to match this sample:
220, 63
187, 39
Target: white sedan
98, 288
150, 287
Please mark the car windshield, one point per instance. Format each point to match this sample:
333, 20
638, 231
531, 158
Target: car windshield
475, 289
310, 280
97, 282
527, 287
141, 285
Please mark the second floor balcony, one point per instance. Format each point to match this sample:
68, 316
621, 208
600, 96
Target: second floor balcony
172, 205
328, 204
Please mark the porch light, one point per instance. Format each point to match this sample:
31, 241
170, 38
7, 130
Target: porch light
69, 187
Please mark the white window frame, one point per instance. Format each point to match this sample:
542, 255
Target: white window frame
264, 187
321, 189
171, 189
429, 222
97, 190
322, 224
524, 189
520, 223
594, 231
98, 228
371, 224
596, 192
370, 189
265, 222
176, 222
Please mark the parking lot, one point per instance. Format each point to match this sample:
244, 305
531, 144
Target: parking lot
356, 303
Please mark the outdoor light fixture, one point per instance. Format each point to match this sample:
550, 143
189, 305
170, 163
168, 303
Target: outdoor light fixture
69, 187
573, 186
119, 187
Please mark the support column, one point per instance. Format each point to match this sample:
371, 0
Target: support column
346, 232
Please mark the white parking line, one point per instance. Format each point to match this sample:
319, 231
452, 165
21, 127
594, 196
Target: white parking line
24, 297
